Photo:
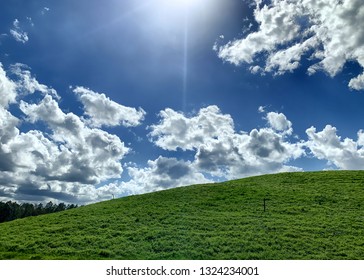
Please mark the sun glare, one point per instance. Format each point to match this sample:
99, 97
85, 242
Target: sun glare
184, 3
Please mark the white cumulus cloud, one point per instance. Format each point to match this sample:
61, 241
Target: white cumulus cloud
64, 162
178, 131
8, 87
327, 145
220, 150
102, 111
326, 31
279, 122
87, 155
162, 173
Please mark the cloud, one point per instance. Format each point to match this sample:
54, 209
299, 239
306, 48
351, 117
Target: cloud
162, 173
65, 161
104, 112
87, 155
327, 145
279, 122
8, 122
8, 92
8, 132
357, 82
18, 34
240, 155
326, 31
62, 163
178, 131
220, 150
27, 84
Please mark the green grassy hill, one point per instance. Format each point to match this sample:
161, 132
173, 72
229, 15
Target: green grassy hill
313, 215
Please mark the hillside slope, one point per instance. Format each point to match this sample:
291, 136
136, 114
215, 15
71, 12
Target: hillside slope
313, 215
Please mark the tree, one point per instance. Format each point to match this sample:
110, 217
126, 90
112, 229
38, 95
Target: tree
39, 210
49, 208
12, 210
4, 212
71, 206
60, 207
26, 210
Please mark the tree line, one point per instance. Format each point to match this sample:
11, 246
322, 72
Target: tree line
11, 210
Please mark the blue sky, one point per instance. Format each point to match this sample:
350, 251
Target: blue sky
130, 97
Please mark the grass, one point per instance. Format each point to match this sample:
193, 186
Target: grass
313, 215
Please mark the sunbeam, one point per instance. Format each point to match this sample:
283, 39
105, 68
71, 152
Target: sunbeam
185, 62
